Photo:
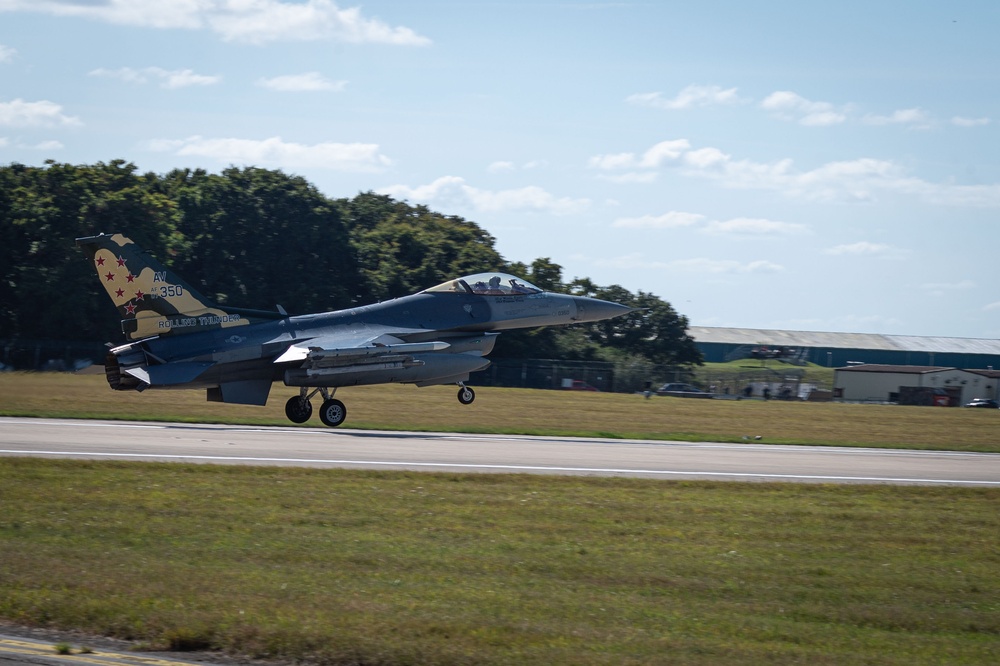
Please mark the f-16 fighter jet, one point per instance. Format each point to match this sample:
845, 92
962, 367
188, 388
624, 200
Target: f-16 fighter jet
178, 339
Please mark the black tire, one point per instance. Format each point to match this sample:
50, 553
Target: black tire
466, 395
298, 409
332, 413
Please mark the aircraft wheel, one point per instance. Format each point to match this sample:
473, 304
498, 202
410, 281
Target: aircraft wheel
332, 413
466, 395
298, 409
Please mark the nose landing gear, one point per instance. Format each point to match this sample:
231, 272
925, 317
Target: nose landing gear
465, 394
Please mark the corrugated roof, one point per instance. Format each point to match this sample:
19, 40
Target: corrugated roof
779, 338
895, 369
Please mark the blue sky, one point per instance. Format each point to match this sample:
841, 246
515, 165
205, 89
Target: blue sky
809, 166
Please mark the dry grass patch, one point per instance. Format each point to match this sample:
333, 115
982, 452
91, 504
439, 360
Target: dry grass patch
525, 411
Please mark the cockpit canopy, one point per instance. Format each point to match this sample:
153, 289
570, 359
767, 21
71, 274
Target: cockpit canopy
486, 284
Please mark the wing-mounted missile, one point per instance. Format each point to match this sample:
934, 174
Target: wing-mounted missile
315, 356
407, 362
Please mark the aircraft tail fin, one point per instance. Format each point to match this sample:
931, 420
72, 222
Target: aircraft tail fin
150, 298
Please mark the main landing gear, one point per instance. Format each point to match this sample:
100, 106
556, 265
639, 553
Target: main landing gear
332, 412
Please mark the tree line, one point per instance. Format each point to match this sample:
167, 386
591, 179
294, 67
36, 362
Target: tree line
256, 238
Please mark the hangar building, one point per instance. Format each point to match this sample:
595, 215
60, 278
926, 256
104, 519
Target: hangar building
719, 345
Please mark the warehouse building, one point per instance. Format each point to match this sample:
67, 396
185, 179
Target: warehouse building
719, 345
914, 384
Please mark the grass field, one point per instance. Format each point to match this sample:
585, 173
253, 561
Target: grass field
376, 568
354, 567
524, 411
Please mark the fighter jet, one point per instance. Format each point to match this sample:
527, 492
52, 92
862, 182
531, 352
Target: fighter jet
178, 339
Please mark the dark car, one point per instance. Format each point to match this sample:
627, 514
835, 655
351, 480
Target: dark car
683, 391
983, 402
579, 385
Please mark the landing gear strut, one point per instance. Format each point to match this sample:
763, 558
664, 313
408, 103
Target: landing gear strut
332, 412
465, 394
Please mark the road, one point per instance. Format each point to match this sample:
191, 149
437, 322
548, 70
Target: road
444, 452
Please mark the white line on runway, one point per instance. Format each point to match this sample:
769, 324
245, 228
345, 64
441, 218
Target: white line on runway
520, 468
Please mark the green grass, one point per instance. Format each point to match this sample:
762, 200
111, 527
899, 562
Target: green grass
356, 567
520, 411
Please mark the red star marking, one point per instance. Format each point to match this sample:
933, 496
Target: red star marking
110, 276
120, 292
130, 309
100, 261
139, 295
130, 277
121, 261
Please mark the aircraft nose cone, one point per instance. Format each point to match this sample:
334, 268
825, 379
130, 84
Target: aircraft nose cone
594, 309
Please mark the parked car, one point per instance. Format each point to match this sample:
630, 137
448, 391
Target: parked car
983, 402
580, 385
683, 391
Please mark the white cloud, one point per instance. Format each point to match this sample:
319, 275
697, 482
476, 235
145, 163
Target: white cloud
171, 79
745, 226
705, 158
862, 179
657, 155
688, 98
737, 227
7, 53
630, 177
45, 145
949, 286
248, 21
970, 122
865, 248
672, 220
790, 106
992, 306
914, 118
503, 166
725, 266
19, 113
308, 82
700, 266
454, 192
274, 152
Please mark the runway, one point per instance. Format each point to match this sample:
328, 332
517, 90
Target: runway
449, 452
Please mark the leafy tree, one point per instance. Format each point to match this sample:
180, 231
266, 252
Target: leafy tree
49, 289
403, 249
654, 330
254, 238
257, 238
